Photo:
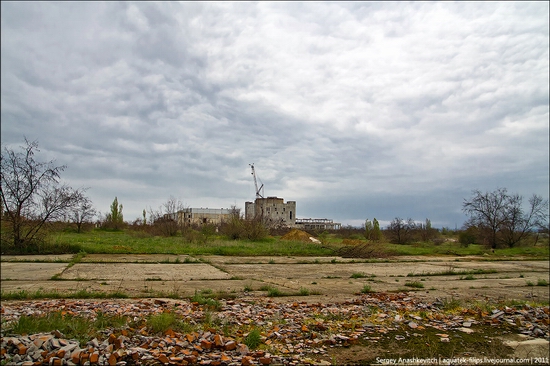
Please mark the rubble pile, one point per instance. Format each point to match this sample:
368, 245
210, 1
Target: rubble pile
291, 333
298, 235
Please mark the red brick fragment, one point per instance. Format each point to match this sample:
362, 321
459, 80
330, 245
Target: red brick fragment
191, 359
247, 360
225, 358
230, 346
170, 333
94, 357
206, 344
75, 356
265, 360
163, 359
218, 341
22, 349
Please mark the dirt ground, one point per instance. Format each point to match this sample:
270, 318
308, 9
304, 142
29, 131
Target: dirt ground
327, 279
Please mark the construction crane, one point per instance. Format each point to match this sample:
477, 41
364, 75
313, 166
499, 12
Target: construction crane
258, 194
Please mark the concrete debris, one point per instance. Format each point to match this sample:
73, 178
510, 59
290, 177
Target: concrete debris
292, 333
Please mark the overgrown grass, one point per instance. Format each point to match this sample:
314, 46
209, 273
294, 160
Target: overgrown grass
362, 275
542, 282
123, 242
452, 272
80, 294
366, 289
454, 248
99, 241
414, 284
253, 339
160, 323
73, 327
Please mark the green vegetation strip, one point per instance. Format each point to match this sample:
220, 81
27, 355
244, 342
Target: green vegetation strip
99, 241
453, 272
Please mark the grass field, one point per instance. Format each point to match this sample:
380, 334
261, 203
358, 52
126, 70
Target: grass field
131, 242
126, 242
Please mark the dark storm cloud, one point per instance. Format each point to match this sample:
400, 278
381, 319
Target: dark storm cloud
353, 110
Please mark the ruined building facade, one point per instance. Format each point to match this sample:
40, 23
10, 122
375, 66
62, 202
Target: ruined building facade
272, 210
201, 216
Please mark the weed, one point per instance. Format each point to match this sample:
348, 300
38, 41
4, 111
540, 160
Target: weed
366, 289
201, 299
450, 271
248, 288
530, 283
253, 339
272, 291
468, 277
358, 275
451, 304
414, 284
542, 282
303, 291
160, 323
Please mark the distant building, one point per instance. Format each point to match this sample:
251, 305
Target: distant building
202, 216
273, 210
317, 224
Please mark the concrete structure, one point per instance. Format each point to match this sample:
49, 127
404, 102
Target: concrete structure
205, 215
273, 210
317, 224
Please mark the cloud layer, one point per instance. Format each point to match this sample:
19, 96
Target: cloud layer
354, 110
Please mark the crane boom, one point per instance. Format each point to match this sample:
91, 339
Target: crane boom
258, 194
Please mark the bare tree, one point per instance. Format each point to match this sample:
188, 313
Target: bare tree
32, 195
487, 211
166, 220
519, 223
500, 217
83, 212
401, 231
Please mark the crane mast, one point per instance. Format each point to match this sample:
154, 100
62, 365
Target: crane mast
258, 194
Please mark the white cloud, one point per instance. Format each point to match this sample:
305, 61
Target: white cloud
356, 104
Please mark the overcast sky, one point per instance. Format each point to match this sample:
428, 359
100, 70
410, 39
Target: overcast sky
353, 110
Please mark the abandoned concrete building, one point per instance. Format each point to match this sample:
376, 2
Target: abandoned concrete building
317, 224
273, 210
200, 216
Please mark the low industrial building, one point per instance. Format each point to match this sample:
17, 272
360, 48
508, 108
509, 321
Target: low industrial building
317, 224
201, 216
